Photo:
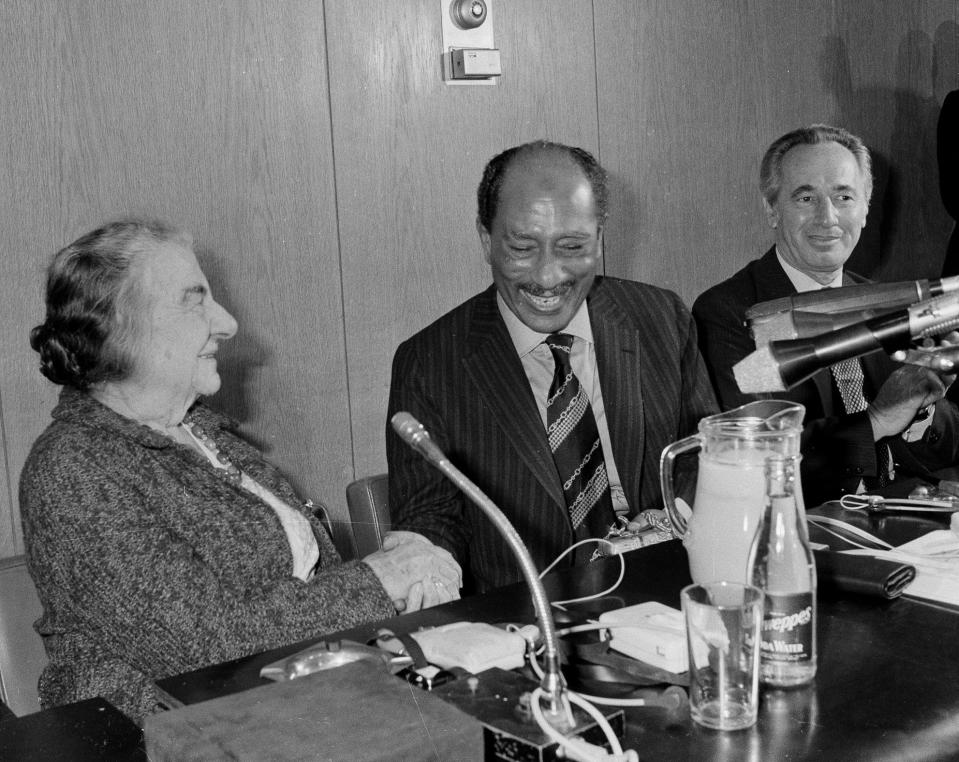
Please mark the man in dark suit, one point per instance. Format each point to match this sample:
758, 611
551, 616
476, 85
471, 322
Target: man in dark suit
483, 378
816, 184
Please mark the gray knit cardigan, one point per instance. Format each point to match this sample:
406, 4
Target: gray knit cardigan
149, 564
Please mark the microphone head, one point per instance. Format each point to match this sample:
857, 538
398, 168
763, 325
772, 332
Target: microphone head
407, 427
950, 283
775, 327
758, 372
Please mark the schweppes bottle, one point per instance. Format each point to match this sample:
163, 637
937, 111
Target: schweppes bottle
782, 564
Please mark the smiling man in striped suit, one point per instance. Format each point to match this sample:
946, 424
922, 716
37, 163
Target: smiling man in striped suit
555, 389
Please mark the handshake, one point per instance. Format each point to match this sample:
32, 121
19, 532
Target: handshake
415, 573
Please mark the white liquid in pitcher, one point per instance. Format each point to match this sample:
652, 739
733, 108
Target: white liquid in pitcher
727, 508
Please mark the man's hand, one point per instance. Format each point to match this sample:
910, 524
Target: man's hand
415, 573
907, 390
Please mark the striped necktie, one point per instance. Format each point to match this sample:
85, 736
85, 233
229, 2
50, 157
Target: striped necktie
849, 378
574, 441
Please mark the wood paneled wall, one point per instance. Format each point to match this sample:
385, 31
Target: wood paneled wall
212, 115
691, 95
328, 175
409, 153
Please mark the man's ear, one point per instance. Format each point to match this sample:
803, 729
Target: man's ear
484, 239
772, 214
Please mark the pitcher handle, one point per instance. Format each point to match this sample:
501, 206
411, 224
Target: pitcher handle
666, 480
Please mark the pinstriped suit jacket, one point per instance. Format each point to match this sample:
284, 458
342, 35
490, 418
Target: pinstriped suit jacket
461, 377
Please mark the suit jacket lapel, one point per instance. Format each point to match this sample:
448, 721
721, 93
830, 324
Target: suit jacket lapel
496, 371
618, 358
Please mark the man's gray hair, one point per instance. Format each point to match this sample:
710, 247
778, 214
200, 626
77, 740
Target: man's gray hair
771, 169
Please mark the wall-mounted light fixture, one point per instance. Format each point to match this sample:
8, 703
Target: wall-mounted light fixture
469, 55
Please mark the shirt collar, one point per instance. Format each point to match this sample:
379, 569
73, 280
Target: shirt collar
803, 282
525, 339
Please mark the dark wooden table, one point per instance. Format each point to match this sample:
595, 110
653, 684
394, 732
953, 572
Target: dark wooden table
887, 686
88, 731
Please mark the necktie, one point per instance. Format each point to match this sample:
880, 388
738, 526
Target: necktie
849, 380
574, 441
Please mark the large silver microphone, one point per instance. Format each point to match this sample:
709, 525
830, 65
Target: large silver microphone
553, 684
814, 312
780, 365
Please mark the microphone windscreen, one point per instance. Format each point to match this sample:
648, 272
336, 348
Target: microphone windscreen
758, 372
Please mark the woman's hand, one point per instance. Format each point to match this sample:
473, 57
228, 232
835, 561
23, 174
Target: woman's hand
415, 573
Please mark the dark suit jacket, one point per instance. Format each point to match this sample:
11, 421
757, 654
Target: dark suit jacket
947, 153
838, 449
461, 377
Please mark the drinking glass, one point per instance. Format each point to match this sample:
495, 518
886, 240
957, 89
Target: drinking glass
723, 621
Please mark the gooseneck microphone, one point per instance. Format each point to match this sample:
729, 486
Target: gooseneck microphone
416, 436
553, 684
780, 365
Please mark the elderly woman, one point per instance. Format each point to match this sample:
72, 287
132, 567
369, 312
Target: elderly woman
158, 540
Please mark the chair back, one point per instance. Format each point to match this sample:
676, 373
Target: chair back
368, 501
22, 657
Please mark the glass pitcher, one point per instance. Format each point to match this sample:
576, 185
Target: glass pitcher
730, 486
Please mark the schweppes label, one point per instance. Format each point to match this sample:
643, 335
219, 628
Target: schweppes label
787, 628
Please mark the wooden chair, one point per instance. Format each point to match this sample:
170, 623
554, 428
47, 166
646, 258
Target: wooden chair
22, 657
369, 505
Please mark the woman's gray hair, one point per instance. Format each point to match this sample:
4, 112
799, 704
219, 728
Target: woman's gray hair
95, 308
771, 169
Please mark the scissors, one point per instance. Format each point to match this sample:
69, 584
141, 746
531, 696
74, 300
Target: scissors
879, 504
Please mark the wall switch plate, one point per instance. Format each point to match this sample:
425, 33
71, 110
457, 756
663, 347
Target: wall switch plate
470, 63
